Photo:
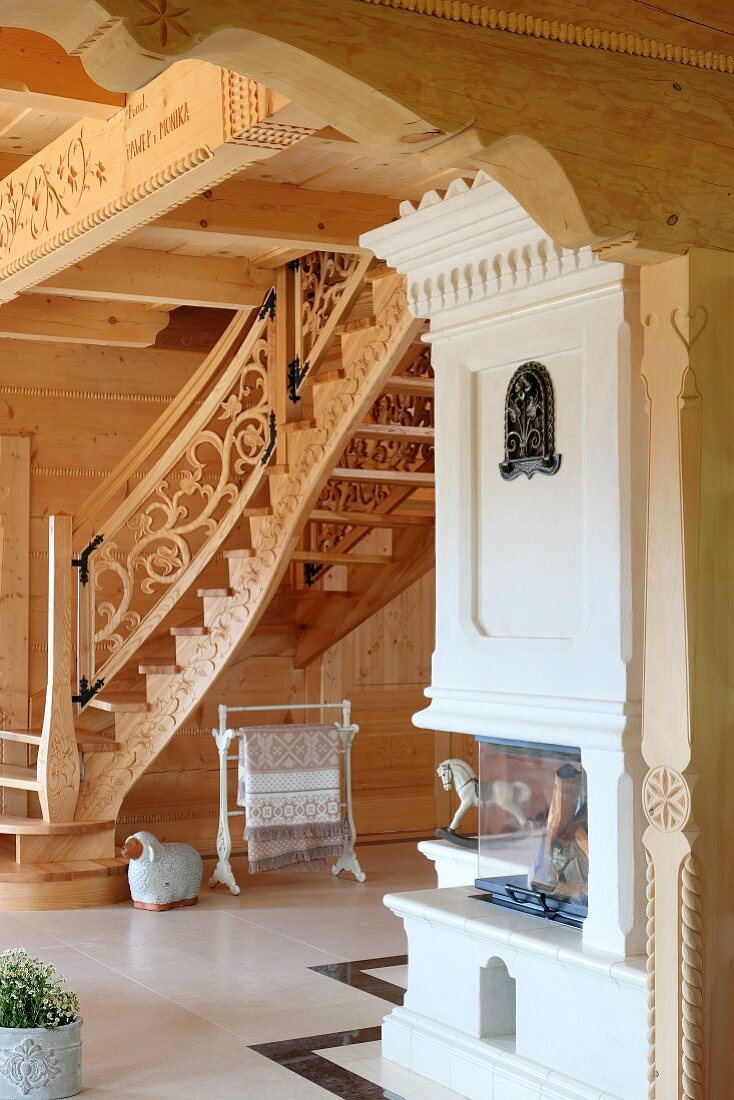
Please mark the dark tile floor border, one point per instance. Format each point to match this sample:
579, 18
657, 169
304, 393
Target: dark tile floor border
301, 1055
353, 974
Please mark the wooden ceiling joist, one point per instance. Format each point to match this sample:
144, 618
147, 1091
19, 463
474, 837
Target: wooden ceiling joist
262, 216
65, 321
147, 275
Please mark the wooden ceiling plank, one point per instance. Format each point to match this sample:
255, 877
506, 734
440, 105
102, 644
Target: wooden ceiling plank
146, 275
60, 320
269, 215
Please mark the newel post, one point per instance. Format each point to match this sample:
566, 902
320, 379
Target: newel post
58, 757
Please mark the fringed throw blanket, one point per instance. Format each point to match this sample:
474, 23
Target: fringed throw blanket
289, 786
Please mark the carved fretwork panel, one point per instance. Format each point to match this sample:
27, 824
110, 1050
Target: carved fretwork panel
183, 508
400, 409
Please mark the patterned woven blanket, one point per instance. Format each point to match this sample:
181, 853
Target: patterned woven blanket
289, 786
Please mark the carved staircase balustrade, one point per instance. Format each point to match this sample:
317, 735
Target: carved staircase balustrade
340, 403
322, 288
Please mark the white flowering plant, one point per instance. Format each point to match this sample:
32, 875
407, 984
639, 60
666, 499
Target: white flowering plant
32, 994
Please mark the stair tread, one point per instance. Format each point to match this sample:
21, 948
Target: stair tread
10, 823
212, 593
25, 779
417, 478
243, 552
333, 557
394, 431
10, 871
373, 519
159, 670
405, 383
189, 631
23, 737
121, 704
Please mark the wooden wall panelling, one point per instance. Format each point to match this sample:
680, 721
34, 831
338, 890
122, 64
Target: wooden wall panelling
14, 603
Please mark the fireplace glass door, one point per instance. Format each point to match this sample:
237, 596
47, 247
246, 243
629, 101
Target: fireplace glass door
533, 829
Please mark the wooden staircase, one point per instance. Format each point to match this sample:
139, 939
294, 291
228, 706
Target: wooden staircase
297, 463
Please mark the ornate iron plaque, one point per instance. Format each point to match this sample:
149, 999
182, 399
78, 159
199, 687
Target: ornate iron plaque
529, 424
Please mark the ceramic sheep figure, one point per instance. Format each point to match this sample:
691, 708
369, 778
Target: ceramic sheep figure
161, 876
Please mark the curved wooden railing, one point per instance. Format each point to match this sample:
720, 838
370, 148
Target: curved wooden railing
195, 470
157, 541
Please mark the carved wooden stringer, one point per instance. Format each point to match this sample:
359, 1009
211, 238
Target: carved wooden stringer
339, 405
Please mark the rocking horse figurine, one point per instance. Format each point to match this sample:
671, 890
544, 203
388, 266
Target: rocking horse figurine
508, 796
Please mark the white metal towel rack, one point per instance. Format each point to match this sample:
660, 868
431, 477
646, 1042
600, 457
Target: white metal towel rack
224, 735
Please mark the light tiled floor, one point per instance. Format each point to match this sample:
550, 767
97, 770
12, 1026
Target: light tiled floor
172, 1001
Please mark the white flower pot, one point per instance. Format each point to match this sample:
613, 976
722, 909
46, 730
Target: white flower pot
41, 1063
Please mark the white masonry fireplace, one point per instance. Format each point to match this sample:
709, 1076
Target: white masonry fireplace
541, 474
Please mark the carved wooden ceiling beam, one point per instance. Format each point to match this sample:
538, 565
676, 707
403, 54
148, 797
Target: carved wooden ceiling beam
608, 126
189, 128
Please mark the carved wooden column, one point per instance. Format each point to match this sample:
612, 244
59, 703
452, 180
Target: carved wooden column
58, 756
688, 709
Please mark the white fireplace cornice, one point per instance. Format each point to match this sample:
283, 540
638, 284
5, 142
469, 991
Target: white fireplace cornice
476, 244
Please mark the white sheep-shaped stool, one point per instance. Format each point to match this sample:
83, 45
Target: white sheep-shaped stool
161, 876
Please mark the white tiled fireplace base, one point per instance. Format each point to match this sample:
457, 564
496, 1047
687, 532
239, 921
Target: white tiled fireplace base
580, 1015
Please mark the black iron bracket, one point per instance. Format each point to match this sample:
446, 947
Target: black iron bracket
87, 692
82, 562
296, 375
312, 572
268, 307
273, 428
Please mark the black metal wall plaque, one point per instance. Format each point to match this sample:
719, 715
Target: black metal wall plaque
529, 424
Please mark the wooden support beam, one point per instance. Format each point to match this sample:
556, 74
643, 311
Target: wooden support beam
257, 215
416, 479
148, 275
183, 132
372, 519
38, 65
64, 321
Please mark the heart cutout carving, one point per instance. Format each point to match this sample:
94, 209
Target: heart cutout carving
697, 321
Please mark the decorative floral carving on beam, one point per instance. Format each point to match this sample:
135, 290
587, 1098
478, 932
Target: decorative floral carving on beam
666, 799
163, 15
47, 192
571, 34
